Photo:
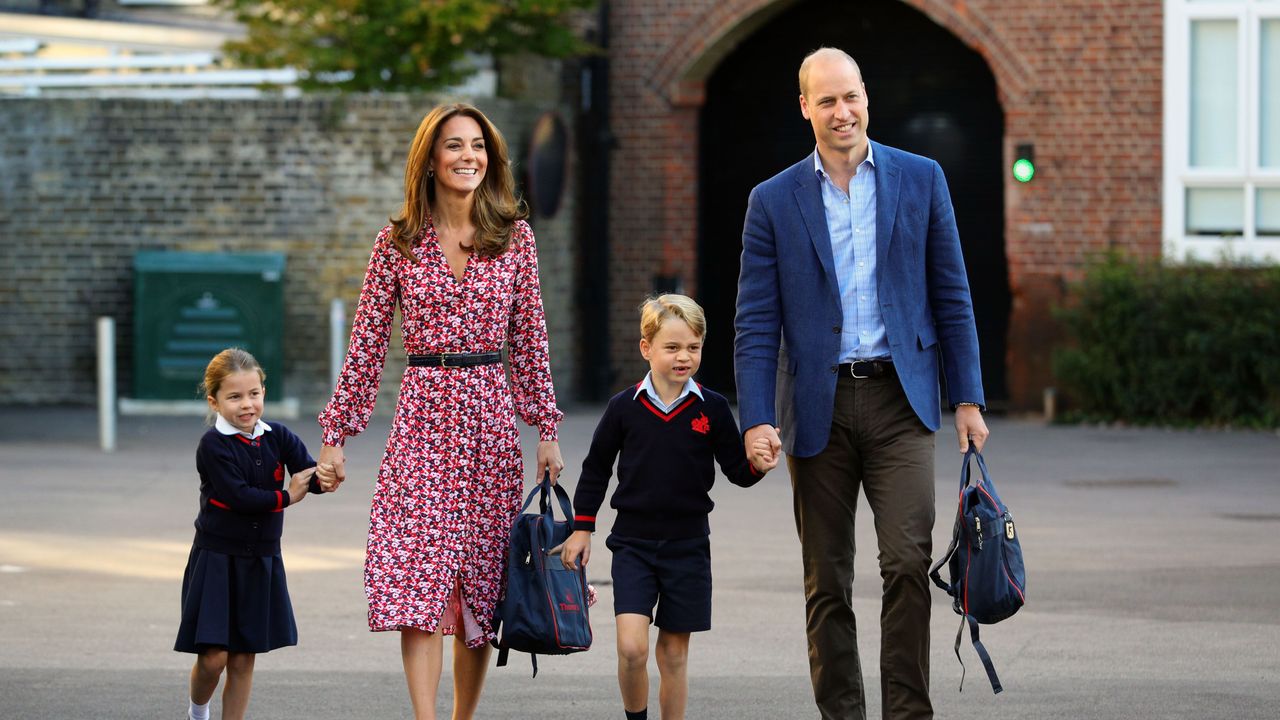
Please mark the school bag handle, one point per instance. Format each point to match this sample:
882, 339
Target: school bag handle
543, 492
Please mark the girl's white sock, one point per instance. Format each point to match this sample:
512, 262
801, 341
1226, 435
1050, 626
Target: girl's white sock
198, 712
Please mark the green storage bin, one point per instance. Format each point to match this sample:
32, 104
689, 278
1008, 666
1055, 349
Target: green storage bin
189, 306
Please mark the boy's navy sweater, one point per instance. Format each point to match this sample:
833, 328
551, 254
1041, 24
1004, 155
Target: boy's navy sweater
665, 472
243, 489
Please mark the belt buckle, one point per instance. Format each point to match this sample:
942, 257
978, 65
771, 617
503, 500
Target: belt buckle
444, 360
854, 373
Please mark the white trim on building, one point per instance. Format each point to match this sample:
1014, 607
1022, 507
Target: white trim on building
1222, 130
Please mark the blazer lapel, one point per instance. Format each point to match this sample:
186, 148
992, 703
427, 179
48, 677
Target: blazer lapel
887, 181
809, 197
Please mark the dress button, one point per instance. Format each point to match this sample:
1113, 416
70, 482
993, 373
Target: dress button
257, 462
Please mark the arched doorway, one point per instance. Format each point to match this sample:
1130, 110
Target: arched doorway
929, 93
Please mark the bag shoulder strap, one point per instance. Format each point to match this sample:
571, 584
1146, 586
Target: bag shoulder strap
979, 648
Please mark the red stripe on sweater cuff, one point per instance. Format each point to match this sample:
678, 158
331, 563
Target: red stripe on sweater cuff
215, 503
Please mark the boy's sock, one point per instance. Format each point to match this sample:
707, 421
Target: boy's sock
637, 715
198, 712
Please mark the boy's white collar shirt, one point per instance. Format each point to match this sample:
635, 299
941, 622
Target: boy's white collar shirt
227, 428
647, 386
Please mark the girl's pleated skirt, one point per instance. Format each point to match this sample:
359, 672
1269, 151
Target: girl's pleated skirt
234, 602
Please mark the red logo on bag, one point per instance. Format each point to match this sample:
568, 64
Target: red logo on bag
702, 424
569, 605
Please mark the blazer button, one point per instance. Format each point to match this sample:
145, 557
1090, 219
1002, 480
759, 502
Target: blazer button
835, 369
836, 329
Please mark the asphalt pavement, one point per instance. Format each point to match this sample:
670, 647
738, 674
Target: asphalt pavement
1153, 584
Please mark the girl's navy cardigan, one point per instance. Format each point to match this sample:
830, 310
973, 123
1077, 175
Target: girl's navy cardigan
244, 489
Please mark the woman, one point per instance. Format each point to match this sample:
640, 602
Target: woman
460, 261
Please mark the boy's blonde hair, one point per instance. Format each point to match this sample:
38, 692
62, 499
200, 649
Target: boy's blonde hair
655, 311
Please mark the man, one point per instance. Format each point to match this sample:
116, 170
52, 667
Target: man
852, 284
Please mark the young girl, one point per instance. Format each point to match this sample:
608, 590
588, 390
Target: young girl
234, 599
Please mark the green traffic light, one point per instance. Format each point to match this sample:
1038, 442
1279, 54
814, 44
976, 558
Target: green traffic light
1023, 170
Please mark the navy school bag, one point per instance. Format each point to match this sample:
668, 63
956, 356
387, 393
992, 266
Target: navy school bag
544, 610
988, 579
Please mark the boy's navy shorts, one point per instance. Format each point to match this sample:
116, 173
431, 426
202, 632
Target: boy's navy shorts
675, 575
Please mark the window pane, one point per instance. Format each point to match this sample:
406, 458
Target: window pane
1214, 102
1269, 95
1215, 211
1269, 211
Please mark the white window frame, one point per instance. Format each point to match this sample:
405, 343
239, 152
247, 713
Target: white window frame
1248, 175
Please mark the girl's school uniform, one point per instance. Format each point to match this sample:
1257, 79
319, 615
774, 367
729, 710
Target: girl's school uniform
234, 591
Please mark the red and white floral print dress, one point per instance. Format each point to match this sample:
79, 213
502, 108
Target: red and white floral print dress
450, 482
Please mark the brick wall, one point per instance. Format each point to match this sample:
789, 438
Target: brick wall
1079, 78
84, 183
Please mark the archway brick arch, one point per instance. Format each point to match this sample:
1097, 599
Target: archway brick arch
693, 55
1079, 78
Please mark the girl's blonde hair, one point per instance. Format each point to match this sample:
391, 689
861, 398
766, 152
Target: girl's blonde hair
496, 208
655, 311
228, 362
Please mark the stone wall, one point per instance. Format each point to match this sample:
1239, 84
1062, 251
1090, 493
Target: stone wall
85, 183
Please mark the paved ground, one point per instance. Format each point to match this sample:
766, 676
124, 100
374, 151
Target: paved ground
1154, 585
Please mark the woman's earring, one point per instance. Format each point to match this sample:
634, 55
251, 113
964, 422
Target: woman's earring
431, 173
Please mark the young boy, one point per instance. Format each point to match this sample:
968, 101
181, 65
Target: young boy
667, 429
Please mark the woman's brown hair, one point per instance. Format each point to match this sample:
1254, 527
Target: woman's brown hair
496, 208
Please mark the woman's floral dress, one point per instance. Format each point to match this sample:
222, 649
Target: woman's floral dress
450, 482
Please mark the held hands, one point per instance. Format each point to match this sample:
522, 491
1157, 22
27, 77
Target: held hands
549, 459
763, 446
578, 545
331, 468
762, 455
971, 426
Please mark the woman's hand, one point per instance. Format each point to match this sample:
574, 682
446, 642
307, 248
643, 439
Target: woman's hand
549, 459
331, 468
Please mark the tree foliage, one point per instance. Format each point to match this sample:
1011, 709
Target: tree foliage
396, 44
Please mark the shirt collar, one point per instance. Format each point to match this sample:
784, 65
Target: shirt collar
227, 428
647, 386
822, 172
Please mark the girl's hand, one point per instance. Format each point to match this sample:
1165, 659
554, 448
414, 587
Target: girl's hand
300, 485
549, 459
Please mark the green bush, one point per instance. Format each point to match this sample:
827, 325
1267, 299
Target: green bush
1173, 344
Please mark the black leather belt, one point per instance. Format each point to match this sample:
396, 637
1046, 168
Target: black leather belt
863, 369
459, 360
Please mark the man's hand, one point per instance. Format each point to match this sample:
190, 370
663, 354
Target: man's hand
969, 424
767, 434
331, 468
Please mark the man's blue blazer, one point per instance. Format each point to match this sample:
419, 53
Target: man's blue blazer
789, 317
